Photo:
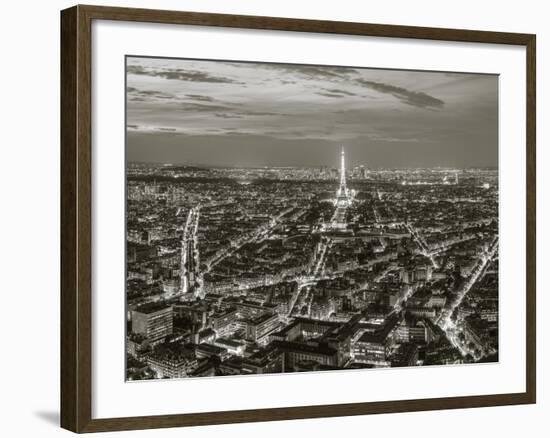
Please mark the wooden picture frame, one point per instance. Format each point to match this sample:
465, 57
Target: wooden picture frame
76, 218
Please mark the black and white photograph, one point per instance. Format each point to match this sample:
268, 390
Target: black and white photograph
285, 218
275, 219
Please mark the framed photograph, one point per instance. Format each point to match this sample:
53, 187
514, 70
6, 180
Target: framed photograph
270, 218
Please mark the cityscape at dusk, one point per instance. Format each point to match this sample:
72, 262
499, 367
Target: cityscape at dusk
289, 218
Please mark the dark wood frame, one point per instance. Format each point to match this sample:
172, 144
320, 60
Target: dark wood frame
76, 238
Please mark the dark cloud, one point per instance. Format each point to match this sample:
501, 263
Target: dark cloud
414, 98
308, 72
341, 92
261, 113
334, 92
225, 110
315, 72
228, 116
200, 107
179, 74
325, 94
200, 97
151, 93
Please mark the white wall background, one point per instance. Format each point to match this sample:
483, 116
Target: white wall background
29, 214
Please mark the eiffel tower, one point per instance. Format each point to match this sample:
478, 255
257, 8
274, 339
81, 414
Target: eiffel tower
342, 194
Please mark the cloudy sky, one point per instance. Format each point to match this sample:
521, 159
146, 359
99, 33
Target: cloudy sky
256, 114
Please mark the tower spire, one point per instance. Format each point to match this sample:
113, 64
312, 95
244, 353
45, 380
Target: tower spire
343, 197
343, 190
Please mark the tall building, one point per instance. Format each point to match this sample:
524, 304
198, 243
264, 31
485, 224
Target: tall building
154, 321
259, 328
342, 191
343, 197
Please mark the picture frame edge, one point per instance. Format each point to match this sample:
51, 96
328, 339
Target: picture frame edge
76, 221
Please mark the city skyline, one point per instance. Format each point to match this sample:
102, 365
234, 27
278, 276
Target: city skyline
230, 114
276, 242
328, 165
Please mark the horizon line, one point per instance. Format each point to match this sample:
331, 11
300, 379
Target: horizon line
316, 166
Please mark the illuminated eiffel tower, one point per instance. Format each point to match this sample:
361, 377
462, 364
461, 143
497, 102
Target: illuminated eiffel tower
342, 194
